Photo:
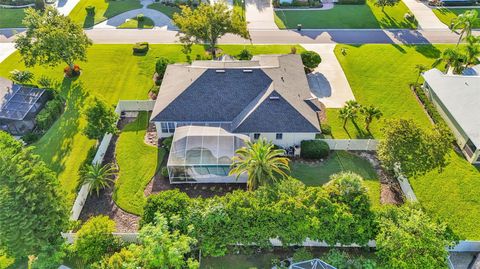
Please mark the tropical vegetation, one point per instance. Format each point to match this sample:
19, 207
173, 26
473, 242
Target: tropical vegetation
98, 176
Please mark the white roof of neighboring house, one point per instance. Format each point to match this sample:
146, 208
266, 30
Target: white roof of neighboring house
460, 95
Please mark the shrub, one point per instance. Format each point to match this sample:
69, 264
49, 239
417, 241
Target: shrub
351, 2
245, 55
293, 50
140, 18
49, 114
310, 59
161, 67
164, 172
45, 82
302, 254
167, 142
40, 5
30, 138
170, 203
326, 129
314, 149
21, 77
409, 17
140, 47
72, 72
95, 239
90, 10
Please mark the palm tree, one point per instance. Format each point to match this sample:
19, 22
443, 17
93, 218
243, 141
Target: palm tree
453, 59
262, 163
465, 22
370, 113
349, 111
420, 69
98, 176
472, 49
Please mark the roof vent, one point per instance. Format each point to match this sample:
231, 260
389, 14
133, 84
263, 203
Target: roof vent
220, 71
274, 97
247, 71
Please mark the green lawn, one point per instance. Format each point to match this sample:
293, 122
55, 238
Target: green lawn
338, 161
346, 16
64, 147
133, 23
167, 10
11, 17
446, 15
137, 162
104, 9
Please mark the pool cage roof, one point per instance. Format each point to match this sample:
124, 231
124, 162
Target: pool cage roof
18, 101
311, 264
204, 146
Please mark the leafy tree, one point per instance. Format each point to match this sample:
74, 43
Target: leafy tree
95, 239
21, 77
209, 23
161, 66
32, 210
370, 113
349, 111
420, 68
386, 3
171, 203
98, 176
51, 38
416, 150
409, 238
263, 164
465, 22
101, 119
472, 50
310, 59
453, 59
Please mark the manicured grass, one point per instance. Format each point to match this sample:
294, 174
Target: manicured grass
112, 73
133, 23
11, 17
452, 195
446, 15
167, 10
379, 75
346, 16
104, 9
338, 161
138, 163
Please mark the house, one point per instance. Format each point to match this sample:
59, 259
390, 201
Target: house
211, 107
18, 107
457, 99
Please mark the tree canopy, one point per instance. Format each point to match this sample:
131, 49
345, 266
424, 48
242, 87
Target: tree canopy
32, 210
51, 38
101, 119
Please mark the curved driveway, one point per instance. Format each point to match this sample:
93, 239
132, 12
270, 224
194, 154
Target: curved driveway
161, 20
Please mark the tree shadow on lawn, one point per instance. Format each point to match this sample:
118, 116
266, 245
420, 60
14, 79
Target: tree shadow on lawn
89, 21
428, 50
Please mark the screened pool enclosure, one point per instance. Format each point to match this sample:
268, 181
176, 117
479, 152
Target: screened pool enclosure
203, 154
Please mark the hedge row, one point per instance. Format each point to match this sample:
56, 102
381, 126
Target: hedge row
314, 149
49, 114
290, 211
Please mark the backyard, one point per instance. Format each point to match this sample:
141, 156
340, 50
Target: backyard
446, 15
366, 16
64, 147
104, 10
11, 17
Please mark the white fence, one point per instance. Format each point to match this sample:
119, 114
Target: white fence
123, 105
351, 144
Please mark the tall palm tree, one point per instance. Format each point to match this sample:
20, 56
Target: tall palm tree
370, 113
349, 111
465, 22
98, 176
453, 59
262, 163
420, 69
472, 49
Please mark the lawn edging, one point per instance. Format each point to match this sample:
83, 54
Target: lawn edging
123, 105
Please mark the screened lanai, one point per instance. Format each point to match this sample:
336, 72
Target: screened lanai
203, 154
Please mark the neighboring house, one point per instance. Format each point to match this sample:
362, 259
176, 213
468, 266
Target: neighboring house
18, 107
267, 97
457, 98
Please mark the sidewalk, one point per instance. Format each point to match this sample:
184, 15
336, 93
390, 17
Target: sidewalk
425, 16
5, 50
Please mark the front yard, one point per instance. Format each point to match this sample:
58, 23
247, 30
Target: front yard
111, 73
104, 9
366, 16
11, 17
446, 15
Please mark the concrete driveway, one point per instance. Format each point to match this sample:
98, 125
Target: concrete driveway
161, 20
259, 14
424, 15
328, 82
5, 50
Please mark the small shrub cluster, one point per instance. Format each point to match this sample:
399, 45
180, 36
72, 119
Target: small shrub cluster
31, 137
342, 260
409, 17
164, 172
140, 47
72, 72
326, 129
297, 3
160, 67
140, 18
289, 211
49, 114
428, 105
21, 76
245, 55
310, 60
351, 2
167, 142
90, 10
314, 149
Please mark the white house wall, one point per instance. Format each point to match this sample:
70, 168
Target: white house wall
289, 139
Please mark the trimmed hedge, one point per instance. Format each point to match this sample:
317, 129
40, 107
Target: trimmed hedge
140, 47
314, 149
49, 114
351, 2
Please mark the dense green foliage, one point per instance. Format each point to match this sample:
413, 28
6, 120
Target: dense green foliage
245, 54
21, 76
95, 239
98, 176
343, 260
49, 114
314, 149
59, 40
409, 238
140, 48
310, 59
169, 204
32, 210
288, 211
101, 119
386, 3
161, 66
416, 150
